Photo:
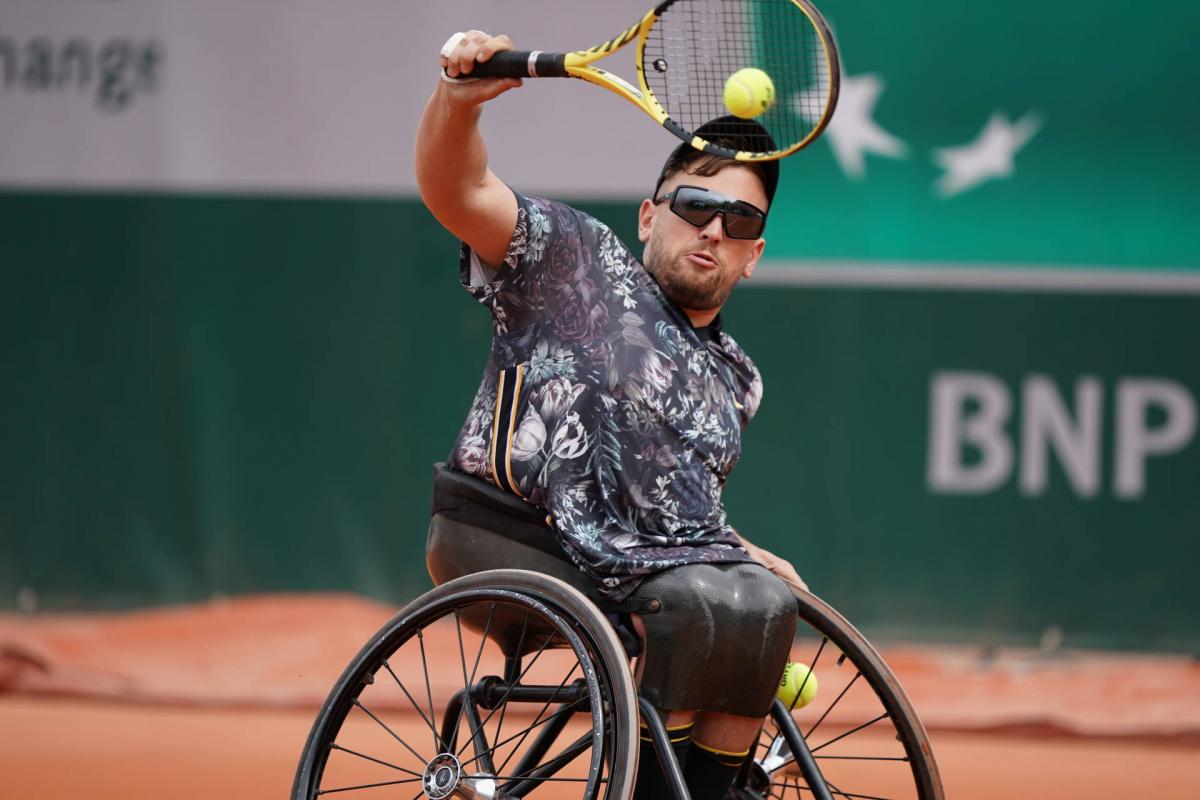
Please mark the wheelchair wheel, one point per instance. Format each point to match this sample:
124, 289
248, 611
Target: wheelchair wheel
505, 683
864, 735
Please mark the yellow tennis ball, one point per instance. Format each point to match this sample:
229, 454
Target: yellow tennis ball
749, 92
797, 678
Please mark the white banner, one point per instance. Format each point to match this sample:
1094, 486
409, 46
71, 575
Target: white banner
295, 96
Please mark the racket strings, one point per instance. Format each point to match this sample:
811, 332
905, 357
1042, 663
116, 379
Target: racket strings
696, 45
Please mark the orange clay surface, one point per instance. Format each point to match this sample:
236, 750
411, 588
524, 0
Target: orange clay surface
215, 701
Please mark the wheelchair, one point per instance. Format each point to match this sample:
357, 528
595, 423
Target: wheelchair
517, 682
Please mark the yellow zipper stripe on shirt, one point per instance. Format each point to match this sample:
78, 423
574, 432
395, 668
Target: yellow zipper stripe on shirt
512, 425
496, 429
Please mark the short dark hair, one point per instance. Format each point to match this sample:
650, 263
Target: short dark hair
734, 133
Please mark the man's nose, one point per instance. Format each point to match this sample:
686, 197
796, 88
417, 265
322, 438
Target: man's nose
715, 229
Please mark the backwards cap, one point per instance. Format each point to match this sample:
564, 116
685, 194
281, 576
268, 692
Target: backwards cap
736, 134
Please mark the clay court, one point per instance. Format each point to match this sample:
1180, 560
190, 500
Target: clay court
215, 700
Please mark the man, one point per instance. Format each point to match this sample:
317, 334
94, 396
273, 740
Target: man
614, 401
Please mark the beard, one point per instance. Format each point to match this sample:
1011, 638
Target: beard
684, 284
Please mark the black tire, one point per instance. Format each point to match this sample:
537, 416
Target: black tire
890, 758
523, 629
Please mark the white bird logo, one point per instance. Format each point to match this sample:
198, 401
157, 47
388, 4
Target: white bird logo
988, 157
853, 132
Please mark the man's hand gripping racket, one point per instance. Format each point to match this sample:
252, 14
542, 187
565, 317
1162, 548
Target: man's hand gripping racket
697, 60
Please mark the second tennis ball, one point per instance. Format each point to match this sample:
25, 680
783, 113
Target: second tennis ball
797, 678
749, 92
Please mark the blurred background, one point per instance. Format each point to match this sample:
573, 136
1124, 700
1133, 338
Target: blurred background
232, 340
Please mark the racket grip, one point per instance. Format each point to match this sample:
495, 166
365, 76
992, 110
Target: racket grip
522, 64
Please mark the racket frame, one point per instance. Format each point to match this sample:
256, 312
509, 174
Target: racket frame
580, 64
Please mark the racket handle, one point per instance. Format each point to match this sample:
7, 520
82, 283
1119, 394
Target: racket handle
522, 64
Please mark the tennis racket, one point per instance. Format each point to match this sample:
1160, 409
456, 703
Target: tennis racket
687, 49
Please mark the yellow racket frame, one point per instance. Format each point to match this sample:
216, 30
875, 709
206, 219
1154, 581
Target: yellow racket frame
579, 64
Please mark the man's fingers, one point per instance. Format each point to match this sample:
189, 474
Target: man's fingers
451, 55
465, 49
451, 44
791, 577
466, 57
459, 55
469, 49
492, 46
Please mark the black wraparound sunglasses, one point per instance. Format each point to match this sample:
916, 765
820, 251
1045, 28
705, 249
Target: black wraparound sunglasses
698, 206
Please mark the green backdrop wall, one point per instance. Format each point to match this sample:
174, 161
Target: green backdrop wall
222, 395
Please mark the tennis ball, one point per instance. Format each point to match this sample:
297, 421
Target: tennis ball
797, 677
749, 92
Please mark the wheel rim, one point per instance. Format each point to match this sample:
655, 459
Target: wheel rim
535, 725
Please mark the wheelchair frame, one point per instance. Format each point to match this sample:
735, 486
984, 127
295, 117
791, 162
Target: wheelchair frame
606, 692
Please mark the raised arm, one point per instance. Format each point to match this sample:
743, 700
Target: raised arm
451, 158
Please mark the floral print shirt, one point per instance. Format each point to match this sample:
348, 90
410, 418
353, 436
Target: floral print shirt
601, 404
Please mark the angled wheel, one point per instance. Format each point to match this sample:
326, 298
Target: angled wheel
500, 684
863, 733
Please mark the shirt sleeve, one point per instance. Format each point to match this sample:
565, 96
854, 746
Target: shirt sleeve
545, 248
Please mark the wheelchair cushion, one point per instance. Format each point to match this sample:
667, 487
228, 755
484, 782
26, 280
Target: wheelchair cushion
454, 548
476, 527
472, 501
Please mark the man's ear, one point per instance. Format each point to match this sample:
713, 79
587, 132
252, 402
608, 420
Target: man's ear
755, 255
645, 220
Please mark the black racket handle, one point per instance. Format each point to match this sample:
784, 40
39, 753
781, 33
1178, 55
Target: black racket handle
519, 64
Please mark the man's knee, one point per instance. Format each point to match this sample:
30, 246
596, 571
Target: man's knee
715, 621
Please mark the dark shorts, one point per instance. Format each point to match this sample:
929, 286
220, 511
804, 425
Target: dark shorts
720, 640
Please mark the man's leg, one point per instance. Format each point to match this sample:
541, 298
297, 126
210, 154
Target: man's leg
726, 731
720, 745
710, 748
651, 781
715, 622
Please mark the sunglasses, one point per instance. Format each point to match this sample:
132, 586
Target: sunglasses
698, 206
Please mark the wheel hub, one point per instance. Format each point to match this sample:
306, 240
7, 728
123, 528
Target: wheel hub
442, 776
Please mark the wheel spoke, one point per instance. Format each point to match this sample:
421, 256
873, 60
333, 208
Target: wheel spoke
852, 796
383, 725
884, 715
478, 737
466, 684
520, 646
436, 739
565, 708
482, 641
368, 786
537, 717
483, 638
336, 746
832, 705
786, 784
500, 726
547, 770
511, 686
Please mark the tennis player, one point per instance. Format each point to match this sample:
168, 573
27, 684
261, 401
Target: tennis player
614, 400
